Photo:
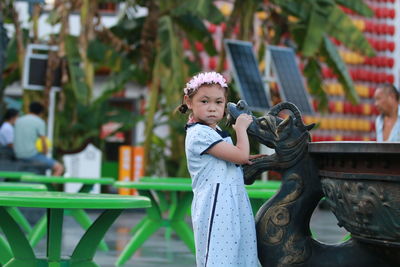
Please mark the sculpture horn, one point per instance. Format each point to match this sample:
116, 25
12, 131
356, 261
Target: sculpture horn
274, 111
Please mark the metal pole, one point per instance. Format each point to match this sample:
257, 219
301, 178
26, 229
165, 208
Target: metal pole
50, 121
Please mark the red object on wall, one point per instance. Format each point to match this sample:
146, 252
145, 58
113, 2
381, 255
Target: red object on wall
186, 44
212, 28
212, 63
199, 46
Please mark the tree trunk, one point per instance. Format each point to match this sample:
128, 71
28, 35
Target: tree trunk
88, 10
151, 110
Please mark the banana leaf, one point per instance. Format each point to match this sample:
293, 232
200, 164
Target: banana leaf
342, 28
358, 6
335, 62
313, 74
316, 28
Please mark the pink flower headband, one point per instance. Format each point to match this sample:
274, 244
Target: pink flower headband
204, 78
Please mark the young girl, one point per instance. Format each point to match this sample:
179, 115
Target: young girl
222, 218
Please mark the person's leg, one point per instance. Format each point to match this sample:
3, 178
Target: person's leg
58, 169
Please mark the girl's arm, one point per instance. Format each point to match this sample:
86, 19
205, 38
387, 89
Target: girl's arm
238, 153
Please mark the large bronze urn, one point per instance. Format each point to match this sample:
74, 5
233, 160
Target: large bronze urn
359, 180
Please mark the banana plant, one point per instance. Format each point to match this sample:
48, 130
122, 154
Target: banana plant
166, 68
308, 26
316, 23
3, 46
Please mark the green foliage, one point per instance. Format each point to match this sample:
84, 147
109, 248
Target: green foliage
82, 117
318, 20
312, 71
336, 63
3, 46
357, 6
316, 28
342, 28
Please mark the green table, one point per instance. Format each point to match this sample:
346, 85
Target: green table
180, 196
79, 215
13, 175
56, 203
5, 251
17, 215
10, 186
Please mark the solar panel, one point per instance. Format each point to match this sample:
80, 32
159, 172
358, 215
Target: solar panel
291, 86
246, 74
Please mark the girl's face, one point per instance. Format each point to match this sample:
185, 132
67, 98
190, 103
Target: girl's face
208, 104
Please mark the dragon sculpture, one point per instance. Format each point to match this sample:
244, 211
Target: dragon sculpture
282, 223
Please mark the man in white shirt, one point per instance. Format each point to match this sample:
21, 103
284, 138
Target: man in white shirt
387, 124
7, 128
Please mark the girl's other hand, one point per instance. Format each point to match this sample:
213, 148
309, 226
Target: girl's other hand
249, 162
243, 121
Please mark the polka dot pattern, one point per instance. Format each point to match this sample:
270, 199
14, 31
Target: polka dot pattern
225, 237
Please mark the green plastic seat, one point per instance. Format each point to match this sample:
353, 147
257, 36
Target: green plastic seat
171, 200
80, 216
56, 202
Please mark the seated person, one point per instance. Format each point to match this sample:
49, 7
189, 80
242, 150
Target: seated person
28, 129
7, 132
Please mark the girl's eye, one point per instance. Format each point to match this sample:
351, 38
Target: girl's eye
204, 101
219, 102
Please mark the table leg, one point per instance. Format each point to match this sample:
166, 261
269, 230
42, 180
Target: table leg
38, 231
151, 223
85, 250
137, 226
19, 218
178, 223
172, 209
54, 235
148, 228
84, 220
23, 255
5, 252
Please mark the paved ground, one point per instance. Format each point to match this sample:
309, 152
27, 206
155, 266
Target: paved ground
159, 252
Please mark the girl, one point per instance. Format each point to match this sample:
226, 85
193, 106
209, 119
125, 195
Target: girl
222, 218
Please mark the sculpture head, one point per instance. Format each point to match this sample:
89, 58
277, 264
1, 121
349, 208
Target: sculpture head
262, 128
270, 129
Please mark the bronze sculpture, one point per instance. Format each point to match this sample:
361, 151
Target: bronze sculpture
282, 223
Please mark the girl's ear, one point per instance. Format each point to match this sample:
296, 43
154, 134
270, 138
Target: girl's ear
188, 101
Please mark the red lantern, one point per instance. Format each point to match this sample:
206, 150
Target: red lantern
186, 44
212, 28
212, 63
199, 46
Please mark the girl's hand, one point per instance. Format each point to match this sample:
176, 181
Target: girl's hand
254, 157
243, 121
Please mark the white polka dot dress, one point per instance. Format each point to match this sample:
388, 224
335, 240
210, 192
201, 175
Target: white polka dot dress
222, 218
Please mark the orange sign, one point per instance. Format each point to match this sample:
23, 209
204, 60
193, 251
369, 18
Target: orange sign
137, 163
125, 168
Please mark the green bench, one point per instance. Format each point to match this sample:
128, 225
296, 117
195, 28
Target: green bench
22, 253
179, 193
15, 213
79, 215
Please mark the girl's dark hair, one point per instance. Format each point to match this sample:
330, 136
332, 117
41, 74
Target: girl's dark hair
10, 113
182, 108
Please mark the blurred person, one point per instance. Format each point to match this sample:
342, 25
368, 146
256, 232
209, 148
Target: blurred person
7, 128
28, 129
387, 124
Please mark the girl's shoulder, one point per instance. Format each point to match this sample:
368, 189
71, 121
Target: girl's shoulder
198, 127
202, 131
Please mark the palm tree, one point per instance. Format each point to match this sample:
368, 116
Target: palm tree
309, 27
149, 51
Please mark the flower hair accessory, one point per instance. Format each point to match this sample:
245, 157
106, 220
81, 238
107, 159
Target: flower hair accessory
204, 78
